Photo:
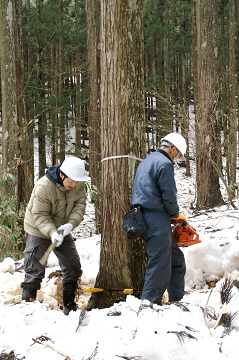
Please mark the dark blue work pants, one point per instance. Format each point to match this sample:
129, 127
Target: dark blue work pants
66, 253
166, 266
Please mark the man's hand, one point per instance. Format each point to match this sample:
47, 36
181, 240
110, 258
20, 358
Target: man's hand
58, 237
66, 228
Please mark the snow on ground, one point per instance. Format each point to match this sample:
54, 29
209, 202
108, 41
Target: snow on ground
133, 329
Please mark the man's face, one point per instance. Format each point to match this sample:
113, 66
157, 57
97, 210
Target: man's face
68, 183
176, 155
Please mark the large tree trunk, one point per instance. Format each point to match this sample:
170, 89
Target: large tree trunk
122, 132
9, 95
207, 128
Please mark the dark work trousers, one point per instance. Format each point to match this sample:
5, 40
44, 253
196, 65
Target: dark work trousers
66, 253
166, 264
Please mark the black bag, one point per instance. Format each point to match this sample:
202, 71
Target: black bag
134, 225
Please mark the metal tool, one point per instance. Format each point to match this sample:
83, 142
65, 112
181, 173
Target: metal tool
41, 264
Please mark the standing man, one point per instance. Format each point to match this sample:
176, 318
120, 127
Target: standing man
57, 203
155, 191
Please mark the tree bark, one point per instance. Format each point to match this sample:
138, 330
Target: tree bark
62, 130
232, 124
208, 145
9, 95
25, 146
93, 30
78, 121
122, 133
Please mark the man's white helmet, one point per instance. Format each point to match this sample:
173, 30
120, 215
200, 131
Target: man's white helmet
177, 140
74, 168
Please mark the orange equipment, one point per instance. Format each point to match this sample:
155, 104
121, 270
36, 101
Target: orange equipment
183, 234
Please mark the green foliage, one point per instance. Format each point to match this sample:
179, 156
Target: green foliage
7, 179
11, 224
91, 190
50, 43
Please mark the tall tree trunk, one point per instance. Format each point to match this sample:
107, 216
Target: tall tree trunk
122, 132
9, 95
237, 82
232, 124
41, 122
207, 130
29, 112
61, 113
54, 113
41, 115
25, 170
93, 30
78, 120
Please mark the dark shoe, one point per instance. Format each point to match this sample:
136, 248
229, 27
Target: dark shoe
68, 295
29, 295
69, 307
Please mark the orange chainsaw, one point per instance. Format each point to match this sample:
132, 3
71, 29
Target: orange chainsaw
183, 234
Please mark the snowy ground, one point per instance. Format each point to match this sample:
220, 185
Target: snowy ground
132, 329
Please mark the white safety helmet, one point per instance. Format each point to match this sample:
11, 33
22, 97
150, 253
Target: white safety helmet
177, 140
74, 168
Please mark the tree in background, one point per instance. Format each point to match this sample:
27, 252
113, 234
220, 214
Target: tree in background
122, 133
25, 166
168, 78
208, 145
232, 118
94, 84
54, 35
61, 94
9, 95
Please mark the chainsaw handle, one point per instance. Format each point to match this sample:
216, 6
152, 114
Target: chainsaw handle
193, 232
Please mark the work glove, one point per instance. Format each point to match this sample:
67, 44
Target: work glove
58, 237
181, 219
66, 228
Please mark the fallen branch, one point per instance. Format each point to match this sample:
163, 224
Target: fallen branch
51, 347
204, 313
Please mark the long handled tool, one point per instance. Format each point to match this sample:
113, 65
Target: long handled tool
41, 264
89, 289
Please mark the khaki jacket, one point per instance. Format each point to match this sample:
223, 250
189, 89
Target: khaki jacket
51, 205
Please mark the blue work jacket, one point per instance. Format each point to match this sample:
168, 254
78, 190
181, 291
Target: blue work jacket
154, 184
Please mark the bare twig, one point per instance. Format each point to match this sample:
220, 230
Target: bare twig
130, 357
95, 352
180, 305
114, 312
51, 347
204, 312
83, 316
181, 335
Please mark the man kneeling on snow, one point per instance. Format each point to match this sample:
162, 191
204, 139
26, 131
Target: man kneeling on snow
57, 203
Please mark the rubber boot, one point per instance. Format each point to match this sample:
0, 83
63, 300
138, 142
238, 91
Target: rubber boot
68, 295
29, 295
